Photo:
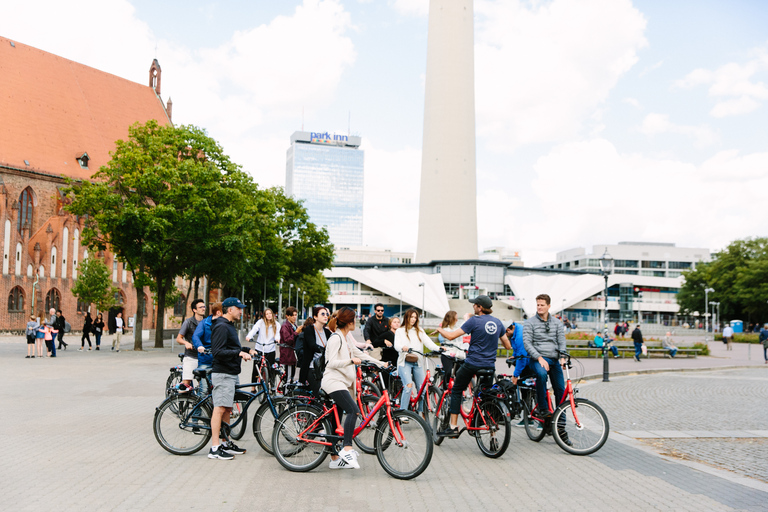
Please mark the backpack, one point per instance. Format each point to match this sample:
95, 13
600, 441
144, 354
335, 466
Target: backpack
67, 327
299, 348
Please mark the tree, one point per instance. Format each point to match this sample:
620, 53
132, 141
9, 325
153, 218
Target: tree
93, 284
167, 194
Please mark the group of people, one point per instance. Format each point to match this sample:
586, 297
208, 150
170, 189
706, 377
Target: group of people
49, 333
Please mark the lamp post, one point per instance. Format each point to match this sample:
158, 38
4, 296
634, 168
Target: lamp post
290, 287
297, 297
302, 303
423, 288
707, 291
400, 294
606, 266
280, 297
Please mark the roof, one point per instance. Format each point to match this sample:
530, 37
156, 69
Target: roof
52, 110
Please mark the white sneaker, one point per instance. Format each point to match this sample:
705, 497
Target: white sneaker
350, 457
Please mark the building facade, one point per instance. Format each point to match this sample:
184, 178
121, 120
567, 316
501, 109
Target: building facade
325, 171
58, 120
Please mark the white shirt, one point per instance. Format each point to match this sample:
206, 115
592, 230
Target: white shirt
265, 342
727, 332
118, 325
414, 340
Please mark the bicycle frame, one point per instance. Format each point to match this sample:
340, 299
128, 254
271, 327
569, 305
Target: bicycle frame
467, 417
568, 393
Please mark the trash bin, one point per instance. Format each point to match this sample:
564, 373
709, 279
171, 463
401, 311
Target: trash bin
737, 326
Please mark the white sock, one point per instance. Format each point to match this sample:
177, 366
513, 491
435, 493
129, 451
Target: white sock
214, 448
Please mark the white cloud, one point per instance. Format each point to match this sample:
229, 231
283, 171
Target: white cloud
732, 84
633, 197
633, 102
411, 7
654, 124
543, 68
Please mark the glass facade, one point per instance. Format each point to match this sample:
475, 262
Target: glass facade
329, 179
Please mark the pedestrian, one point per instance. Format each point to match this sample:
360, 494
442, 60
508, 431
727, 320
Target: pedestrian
386, 343
376, 324
728, 336
485, 331
449, 324
314, 338
184, 337
118, 331
98, 329
202, 338
669, 345
87, 326
40, 336
61, 326
339, 382
31, 332
410, 367
266, 332
51, 323
227, 355
764, 341
637, 338
288, 337
617, 330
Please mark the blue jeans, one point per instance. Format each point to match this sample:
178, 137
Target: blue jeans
556, 377
638, 350
672, 352
410, 374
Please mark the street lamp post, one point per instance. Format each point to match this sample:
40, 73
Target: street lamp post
400, 294
280, 297
297, 297
606, 266
302, 304
423, 288
290, 287
707, 291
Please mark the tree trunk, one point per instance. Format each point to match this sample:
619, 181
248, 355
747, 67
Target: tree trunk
162, 288
186, 300
139, 326
197, 286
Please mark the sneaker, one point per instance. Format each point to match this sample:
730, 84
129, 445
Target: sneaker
26, 357
97, 348
636, 358
404, 421
521, 424
219, 454
183, 388
564, 437
340, 463
118, 350
113, 348
350, 457
449, 432
232, 449
543, 414
80, 349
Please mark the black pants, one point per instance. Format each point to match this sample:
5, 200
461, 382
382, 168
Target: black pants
86, 337
270, 357
61, 337
463, 377
447, 369
344, 402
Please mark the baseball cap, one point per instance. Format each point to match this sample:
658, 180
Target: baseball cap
232, 301
483, 301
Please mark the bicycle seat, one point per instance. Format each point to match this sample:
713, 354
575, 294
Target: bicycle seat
485, 372
201, 373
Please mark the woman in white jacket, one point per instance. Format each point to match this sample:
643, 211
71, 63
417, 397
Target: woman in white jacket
410, 367
341, 356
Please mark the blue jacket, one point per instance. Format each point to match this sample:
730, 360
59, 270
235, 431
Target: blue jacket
518, 349
202, 338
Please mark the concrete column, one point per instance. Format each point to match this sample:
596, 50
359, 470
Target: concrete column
447, 206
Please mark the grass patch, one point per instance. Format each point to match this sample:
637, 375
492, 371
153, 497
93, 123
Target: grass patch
741, 337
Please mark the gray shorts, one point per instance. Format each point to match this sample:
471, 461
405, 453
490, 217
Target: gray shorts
224, 389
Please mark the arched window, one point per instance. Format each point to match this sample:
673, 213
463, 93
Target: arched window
52, 299
16, 300
18, 259
64, 251
53, 261
26, 205
82, 306
114, 270
41, 271
74, 253
178, 308
30, 270
119, 298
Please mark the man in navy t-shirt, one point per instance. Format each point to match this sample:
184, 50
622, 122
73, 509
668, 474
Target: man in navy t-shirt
485, 331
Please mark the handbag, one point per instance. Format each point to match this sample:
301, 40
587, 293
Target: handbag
411, 358
644, 350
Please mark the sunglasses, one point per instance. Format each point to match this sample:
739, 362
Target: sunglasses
546, 326
322, 313
379, 310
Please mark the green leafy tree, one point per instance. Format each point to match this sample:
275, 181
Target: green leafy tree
94, 285
167, 195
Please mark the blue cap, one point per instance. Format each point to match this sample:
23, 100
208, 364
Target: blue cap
232, 301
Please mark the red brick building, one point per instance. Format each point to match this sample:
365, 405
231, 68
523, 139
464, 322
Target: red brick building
58, 119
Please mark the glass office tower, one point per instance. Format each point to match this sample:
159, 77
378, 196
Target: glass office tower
326, 172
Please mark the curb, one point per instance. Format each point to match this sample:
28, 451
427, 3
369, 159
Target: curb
629, 373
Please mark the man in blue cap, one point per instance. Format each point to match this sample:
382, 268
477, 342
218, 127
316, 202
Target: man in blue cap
227, 356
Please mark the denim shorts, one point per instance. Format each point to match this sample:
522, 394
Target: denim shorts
224, 389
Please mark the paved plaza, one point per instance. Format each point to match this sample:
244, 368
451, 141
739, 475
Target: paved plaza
78, 436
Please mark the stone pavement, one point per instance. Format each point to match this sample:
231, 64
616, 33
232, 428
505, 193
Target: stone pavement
78, 436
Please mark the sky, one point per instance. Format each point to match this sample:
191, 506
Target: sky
597, 121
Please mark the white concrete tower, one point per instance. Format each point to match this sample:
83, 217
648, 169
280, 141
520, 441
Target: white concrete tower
448, 203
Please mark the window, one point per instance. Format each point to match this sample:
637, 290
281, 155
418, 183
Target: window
680, 264
178, 308
18, 259
82, 306
626, 263
26, 206
119, 298
16, 300
53, 261
654, 264
52, 300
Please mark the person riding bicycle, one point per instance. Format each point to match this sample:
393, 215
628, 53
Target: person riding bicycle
544, 340
339, 378
410, 367
201, 340
485, 331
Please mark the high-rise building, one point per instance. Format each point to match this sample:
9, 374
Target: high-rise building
325, 170
448, 229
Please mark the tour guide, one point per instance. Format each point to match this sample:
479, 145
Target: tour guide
227, 355
486, 330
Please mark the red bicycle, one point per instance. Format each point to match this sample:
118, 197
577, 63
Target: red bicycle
304, 435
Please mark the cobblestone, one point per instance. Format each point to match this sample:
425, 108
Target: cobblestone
78, 436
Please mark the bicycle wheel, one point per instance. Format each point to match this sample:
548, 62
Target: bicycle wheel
533, 427
493, 440
174, 379
290, 452
411, 457
239, 412
264, 423
586, 437
370, 389
430, 402
441, 417
182, 424
364, 440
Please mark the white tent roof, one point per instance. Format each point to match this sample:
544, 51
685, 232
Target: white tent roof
407, 283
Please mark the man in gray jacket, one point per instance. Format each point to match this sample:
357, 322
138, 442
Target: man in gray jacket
544, 340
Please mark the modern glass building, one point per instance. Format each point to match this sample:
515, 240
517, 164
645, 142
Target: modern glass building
325, 171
